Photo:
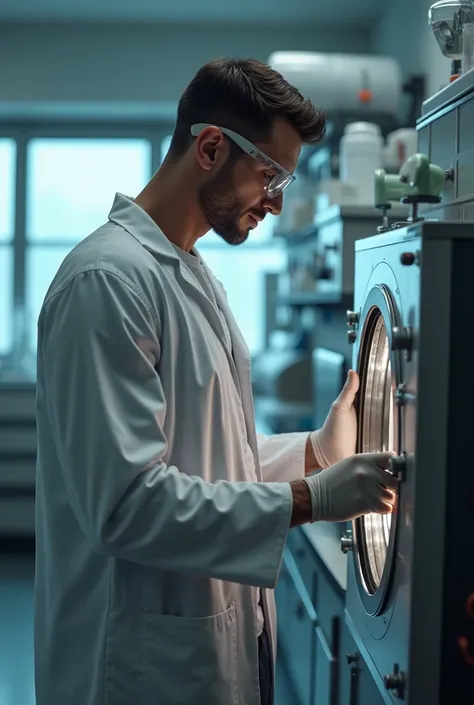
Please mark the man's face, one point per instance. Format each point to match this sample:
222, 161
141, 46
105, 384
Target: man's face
234, 201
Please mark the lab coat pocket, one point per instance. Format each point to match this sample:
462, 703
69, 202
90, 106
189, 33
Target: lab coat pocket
189, 660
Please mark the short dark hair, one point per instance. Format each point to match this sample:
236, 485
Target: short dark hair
244, 95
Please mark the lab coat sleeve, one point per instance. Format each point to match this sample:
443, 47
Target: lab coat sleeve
99, 355
282, 456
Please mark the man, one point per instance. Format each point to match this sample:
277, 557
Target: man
161, 516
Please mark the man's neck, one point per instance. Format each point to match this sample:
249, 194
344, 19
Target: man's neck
170, 199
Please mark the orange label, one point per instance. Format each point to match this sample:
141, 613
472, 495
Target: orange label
365, 95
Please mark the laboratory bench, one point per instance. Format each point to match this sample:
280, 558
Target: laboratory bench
320, 658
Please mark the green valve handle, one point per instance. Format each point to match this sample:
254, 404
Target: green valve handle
388, 188
417, 182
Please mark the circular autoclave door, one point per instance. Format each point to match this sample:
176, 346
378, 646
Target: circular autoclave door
378, 431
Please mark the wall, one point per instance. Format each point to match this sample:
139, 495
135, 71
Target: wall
404, 33
134, 62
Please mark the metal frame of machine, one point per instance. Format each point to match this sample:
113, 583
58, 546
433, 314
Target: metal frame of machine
415, 629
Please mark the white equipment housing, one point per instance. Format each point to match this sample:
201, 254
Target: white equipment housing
354, 84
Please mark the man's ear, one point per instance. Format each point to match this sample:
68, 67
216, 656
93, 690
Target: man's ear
212, 148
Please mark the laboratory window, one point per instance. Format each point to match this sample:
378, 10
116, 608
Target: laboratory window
70, 187
6, 296
7, 229
7, 189
71, 183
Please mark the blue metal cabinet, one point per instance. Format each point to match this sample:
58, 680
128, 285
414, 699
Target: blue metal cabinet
319, 654
325, 682
304, 556
296, 625
356, 686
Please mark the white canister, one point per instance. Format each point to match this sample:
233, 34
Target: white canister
360, 155
401, 145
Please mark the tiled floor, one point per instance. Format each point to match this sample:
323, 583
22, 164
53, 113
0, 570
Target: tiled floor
16, 634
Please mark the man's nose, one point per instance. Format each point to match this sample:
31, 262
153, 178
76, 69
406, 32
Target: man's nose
274, 205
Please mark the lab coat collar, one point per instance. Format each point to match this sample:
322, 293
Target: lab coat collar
130, 216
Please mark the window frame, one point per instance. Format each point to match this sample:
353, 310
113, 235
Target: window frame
24, 129
8, 244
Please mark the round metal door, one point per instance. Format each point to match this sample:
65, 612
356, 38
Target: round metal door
378, 430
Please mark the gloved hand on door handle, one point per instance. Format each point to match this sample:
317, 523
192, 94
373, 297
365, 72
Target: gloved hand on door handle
358, 485
337, 439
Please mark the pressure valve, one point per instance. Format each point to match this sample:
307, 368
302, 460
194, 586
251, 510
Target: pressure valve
417, 182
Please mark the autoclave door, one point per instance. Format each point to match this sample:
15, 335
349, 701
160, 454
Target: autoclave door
378, 430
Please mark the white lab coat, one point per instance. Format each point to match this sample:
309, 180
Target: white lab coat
154, 530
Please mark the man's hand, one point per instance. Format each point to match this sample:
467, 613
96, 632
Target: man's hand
355, 486
337, 438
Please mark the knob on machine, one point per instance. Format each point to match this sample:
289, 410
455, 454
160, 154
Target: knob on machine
352, 318
347, 542
395, 682
407, 259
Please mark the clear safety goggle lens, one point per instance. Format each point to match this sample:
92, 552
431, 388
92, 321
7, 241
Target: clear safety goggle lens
278, 184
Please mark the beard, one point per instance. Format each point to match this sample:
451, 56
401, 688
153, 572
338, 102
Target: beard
221, 208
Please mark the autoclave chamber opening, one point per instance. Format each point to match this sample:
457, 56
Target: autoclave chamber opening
377, 433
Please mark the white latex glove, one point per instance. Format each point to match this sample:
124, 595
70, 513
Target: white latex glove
337, 439
355, 486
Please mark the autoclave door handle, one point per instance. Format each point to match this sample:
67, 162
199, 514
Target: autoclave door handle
398, 466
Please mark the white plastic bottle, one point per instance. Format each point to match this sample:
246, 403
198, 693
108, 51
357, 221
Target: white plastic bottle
401, 145
360, 154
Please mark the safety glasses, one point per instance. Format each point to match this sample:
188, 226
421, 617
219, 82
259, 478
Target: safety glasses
280, 179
